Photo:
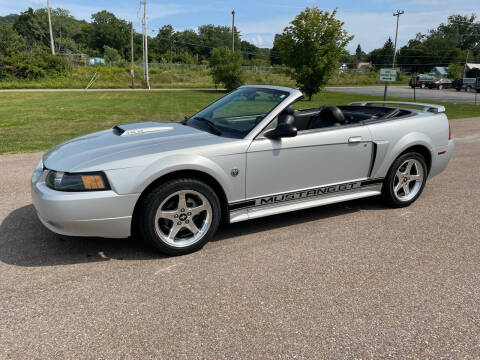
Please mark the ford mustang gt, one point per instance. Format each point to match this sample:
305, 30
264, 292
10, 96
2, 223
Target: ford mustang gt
247, 155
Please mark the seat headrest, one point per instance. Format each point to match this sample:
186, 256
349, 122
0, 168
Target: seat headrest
332, 114
289, 110
286, 118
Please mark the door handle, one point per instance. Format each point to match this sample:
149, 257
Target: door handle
355, 139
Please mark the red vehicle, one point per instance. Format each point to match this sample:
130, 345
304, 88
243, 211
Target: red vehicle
440, 84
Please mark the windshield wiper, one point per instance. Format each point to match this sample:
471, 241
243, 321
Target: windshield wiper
210, 124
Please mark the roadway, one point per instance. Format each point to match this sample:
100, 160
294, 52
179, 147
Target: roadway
448, 95
352, 280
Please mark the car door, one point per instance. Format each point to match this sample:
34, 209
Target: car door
312, 158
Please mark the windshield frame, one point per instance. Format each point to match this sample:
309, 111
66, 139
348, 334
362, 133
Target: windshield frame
292, 94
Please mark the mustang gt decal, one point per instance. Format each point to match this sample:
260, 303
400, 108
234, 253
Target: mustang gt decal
303, 194
268, 200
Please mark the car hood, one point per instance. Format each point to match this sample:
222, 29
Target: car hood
112, 148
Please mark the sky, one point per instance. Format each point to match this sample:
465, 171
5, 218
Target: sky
371, 21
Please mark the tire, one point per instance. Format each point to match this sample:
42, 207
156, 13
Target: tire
414, 180
458, 89
190, 217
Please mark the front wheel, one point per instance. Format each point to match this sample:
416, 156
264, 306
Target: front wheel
179, 217
405, 180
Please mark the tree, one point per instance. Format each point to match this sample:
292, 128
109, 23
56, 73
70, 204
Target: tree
65, 29
312, 46
359, 54
454, 71
11, 42
275, 58
165, 39
108, 30
226, 67
463, 31
29, 27
383, 56
9, 19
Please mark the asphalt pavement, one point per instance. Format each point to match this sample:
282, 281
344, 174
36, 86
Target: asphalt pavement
449, 95
355, 280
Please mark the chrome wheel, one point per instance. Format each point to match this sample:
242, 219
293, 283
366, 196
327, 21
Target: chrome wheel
183, 218
408, 180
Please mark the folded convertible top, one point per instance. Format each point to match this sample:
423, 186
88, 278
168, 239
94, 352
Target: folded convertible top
426, 107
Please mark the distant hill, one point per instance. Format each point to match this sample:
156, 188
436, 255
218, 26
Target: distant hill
8, 20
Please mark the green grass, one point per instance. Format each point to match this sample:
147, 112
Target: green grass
178, 77
37, 121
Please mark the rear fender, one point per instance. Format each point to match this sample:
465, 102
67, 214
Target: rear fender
387, 153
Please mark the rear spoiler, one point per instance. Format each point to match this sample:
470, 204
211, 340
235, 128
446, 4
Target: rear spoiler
426, 107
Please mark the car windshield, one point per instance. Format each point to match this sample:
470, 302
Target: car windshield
237, 113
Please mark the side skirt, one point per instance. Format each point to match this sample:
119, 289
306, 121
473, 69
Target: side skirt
303, 199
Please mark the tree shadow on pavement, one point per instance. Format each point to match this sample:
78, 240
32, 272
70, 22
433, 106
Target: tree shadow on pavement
24, 241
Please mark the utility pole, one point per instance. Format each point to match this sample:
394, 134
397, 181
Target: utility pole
233, 30
465, 66
132, 56
52, 45
397, 14
145, 44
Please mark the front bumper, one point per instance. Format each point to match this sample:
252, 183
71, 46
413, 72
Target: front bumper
97, 214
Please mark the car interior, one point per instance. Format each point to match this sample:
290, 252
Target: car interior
334, 116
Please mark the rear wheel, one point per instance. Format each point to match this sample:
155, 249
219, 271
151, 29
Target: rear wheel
405, 180
179, 217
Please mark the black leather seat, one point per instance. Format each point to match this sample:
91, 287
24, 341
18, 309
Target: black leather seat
303, 118
329, 116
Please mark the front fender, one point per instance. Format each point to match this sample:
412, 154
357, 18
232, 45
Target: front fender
387, 152
135, 180
179, 162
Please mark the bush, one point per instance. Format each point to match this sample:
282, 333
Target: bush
33, 66
226, 68
111, 55
10, 41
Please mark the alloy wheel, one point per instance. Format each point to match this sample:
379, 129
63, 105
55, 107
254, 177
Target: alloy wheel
183, 218
408, 180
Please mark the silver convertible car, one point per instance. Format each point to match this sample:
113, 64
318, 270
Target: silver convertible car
247, 155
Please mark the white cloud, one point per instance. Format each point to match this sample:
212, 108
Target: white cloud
371, 29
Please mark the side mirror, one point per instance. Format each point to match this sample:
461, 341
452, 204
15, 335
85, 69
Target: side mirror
282, 130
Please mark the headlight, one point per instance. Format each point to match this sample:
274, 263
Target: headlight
62, 181
38, 171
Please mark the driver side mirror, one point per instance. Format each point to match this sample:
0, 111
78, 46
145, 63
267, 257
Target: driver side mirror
282, 130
